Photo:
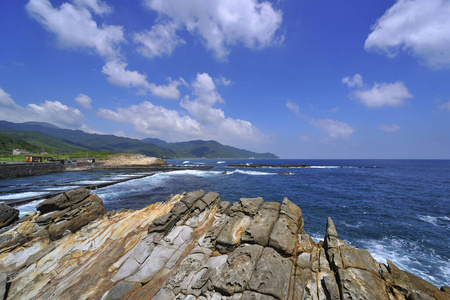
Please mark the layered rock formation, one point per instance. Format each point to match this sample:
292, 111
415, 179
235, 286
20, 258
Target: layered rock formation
192, 246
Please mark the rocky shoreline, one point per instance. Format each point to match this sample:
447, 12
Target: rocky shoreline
191, 246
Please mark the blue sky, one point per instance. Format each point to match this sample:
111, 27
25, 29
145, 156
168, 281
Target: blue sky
301, 79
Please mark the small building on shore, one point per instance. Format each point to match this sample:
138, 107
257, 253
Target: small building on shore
33, 159
20, 152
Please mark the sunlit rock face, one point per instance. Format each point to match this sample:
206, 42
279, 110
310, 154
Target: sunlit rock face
191, 246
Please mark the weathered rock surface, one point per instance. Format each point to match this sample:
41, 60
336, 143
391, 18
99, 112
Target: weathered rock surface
8, 214
191, 246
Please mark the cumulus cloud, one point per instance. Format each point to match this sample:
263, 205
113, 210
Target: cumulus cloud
383, 94
155, 121
293, 107
203, 122
419, 27
389, 127
49, 111
222, 81
117, 74
161, 39
334, 129
223, 23
356, 80
84, 100
74, 26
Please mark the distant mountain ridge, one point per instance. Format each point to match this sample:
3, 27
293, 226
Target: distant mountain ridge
56, 139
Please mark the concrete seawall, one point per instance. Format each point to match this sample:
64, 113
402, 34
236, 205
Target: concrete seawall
29, 169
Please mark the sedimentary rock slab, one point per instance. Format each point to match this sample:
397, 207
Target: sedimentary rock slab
272, 275
261, 226
235, 275
232, 231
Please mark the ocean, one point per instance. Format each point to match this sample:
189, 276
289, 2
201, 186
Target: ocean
395, 209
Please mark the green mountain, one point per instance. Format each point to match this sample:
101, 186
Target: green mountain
207, 149
55, 139
8, 144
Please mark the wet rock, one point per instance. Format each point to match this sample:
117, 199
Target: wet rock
272, 275
7, 215
235, 275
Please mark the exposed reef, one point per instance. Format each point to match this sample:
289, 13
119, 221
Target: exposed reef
191, 246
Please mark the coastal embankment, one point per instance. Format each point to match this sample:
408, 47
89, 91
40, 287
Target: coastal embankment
190, 246
12, 170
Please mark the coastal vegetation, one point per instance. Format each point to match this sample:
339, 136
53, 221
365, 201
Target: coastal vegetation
43, 137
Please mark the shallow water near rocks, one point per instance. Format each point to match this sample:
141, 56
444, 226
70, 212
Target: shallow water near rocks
396, 209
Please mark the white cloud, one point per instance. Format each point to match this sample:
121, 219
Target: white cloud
356, 80
383, 94
334, 129
88, 129
161, 39
155, 121
222, 81
293, 107
50, 111
5, 99
419, 27
223, 23
445, 106
74, 26
204, 122
84, 100
97, 6
389, 127
117, 74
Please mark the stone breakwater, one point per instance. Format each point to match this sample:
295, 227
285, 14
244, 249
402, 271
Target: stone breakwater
29, 169
191, 246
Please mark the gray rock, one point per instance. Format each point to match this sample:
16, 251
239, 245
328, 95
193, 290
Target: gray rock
234, 276
119, 290
224, 207
7, 215
284, 235
261, 226
328, 287
163, 223
291, 210
63, 201
83, 213
232, 232
190, 198
3, 282
210, 198
357, 258
361, 284
249, 295
272, 275
249, 206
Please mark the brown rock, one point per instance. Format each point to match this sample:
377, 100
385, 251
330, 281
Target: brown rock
63, 201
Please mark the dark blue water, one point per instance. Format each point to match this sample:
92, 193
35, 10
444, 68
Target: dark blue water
396, 209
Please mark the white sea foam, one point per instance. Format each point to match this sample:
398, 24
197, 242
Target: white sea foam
93, 181
443, 221
27, 208
324, 167
221, 162
252, 173
410, 257
20, 195
186, 162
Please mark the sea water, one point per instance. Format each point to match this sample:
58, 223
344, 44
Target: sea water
396, 209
